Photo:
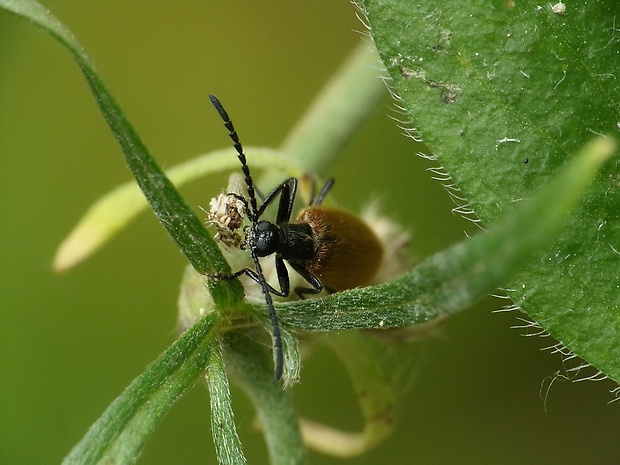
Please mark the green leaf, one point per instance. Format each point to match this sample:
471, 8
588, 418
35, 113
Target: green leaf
178, 219
451, 280
503, 93
443, 284
349, 98
225, 438
121, 432
108, 215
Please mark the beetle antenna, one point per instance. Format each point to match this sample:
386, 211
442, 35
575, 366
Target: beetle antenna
275, 326
244, 165
253, 215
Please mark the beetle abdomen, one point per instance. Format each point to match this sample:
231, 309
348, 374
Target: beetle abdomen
348, 253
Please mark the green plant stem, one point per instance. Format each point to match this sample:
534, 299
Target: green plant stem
247, 362
349, 98
373, 392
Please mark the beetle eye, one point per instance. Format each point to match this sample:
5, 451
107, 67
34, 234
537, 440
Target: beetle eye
265, 238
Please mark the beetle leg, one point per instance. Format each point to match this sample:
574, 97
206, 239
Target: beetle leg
317, 285
287, 191
326, 188
236, 274
283, 278
252, 274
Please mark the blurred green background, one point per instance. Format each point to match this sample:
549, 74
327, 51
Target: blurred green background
70, 344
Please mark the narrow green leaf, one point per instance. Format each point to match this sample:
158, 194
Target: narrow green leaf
121, 432
452, 280
116, 209
177, 218
503, 93
225, 438
348, 99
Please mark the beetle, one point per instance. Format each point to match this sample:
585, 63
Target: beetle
328, 247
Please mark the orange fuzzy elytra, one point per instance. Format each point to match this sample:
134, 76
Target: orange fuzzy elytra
348, 252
